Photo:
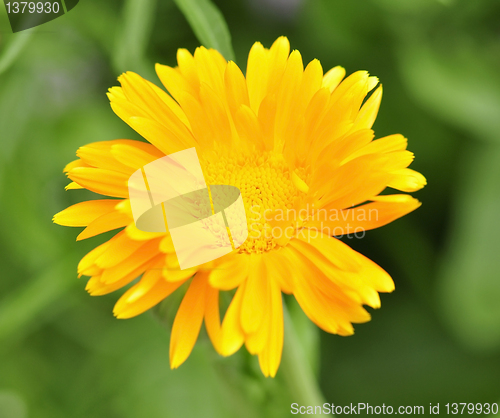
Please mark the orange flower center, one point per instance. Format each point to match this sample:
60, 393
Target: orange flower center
266, 186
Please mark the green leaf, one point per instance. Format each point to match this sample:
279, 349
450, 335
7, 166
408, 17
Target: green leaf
24, 306
12, 405
208, 25
133, 37
459, 86
14, 48
469, 285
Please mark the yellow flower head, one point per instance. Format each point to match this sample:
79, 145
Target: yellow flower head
298, 145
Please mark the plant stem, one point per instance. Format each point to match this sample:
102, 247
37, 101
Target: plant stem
296, 368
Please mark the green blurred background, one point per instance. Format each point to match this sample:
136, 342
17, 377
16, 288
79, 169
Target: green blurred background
436, 338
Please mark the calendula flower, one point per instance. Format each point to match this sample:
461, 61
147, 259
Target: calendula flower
298, 145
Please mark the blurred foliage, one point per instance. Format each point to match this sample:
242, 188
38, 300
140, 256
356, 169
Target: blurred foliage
208, 24
437, 337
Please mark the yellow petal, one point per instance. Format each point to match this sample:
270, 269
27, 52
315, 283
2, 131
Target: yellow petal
74, 164
138, 235
332, 221
314, 114
366, 179
322, 254
142, 256
287, 99
278, 56
84, 213
236, 87
299, 183
331, 309
175, 83
135, 157
346, 259
232, 336
212, 316
98, 180
96, 286
154, 102
187, 322
248, 127
98, 154
256, 71
211, 66
216, 117
256, 341
166, 140
73, 186
368, 113
278, 268
354, 85
311, 83
332, 78
175, 274
391, 143
230, 273
105, 223
267, 117
372, 82
407, 180
187, 67
270, 358
87, 265
148, 292
120, 248
253, 304
331, 317
265, 69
